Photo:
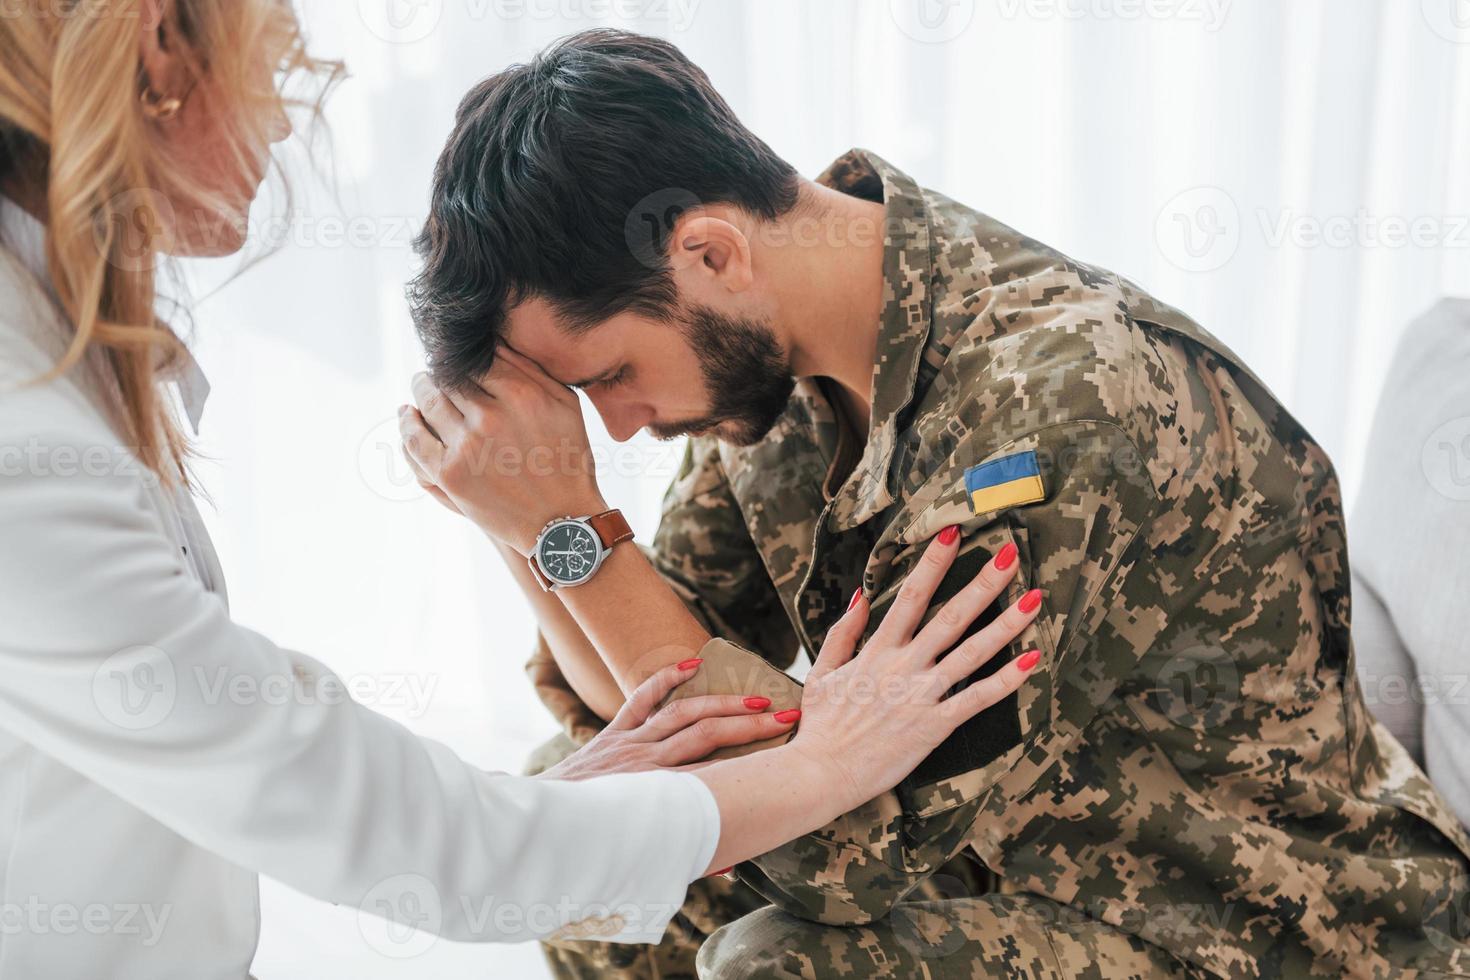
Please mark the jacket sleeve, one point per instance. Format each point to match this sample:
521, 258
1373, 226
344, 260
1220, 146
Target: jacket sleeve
1080, 543
704, 551
122, 667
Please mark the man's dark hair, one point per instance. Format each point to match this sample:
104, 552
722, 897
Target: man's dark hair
562, 180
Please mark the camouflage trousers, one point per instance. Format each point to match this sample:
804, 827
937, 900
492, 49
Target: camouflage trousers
957, 927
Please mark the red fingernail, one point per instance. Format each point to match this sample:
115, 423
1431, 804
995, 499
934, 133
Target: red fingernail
722, 871
1030, 601
691, 664
1007, 557
950, 534
1028, 661
787, 717
856, 598
757, 704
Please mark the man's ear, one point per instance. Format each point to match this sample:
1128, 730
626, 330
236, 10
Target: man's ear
706, 243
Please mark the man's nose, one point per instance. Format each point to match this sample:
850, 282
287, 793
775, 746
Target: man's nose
622, 421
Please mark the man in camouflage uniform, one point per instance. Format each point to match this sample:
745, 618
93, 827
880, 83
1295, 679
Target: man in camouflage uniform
1189, 784
1192, 784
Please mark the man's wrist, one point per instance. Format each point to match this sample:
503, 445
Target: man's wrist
525, 542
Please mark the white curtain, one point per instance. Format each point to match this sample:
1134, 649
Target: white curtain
1292, 174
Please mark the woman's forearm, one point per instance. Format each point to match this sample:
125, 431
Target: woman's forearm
765, 800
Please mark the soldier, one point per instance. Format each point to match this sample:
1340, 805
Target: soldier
1188, 786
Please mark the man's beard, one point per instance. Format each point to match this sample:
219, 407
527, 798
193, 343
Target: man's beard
747, 374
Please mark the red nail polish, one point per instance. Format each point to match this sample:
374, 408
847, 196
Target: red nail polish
757, 704
1007, 557
1031, 601
1028, 661
787, 717
950, 534
856, 597
722, 871
691, 664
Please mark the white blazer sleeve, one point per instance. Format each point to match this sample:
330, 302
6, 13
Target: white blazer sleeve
118, 664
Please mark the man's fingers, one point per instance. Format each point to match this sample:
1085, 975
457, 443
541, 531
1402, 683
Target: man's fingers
954, 618
427, 484
988, 691
703, 737
439, 412
421, 446
842, 639
918, 589
533, 372
647, 696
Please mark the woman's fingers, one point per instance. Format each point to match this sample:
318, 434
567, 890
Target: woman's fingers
955, 617
842, 639
987, 691
647, 696
970, 655
918, 589
678, 715
704, 736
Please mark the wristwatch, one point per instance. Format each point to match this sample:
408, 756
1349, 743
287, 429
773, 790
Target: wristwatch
569, 550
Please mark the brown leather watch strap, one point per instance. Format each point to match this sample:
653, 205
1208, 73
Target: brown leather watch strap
612, 527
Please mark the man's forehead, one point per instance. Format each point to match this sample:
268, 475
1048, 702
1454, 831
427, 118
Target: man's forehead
532, 329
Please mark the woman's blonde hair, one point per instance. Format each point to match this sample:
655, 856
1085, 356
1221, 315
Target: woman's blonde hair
72, 116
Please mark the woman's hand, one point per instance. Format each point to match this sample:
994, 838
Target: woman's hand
644, 736
869, 721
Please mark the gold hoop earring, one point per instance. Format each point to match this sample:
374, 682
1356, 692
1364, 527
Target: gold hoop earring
158, 107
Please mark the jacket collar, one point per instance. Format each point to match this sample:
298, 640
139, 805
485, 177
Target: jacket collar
903, 329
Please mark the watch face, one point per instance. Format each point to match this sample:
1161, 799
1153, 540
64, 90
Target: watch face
568, 553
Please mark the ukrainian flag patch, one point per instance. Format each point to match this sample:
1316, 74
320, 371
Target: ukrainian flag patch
1006, 482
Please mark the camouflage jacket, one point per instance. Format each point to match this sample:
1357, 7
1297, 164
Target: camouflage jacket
1192, 762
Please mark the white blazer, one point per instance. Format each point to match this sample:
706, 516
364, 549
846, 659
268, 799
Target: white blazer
155, 756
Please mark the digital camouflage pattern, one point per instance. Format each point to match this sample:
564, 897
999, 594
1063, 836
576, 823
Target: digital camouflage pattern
1191, 770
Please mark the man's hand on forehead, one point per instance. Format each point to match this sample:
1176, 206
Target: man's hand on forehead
510, 453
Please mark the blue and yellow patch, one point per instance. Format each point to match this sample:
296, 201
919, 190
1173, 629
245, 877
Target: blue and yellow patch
1006, 482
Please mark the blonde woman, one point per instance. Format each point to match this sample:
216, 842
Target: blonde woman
137, 802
